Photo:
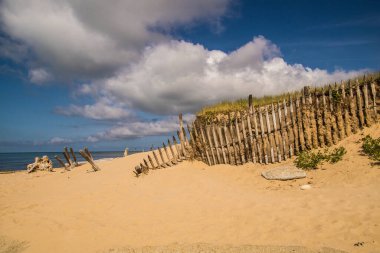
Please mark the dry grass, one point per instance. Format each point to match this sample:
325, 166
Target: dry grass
226, 107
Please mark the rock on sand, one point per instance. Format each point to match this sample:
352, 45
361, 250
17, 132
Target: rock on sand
283, 173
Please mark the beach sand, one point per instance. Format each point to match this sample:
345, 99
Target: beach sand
192, 208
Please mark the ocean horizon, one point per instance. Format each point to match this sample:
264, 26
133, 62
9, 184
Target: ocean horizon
12, 161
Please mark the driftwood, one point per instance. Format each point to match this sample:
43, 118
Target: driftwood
43, 163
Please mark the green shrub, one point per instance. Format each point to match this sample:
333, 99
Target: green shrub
371, 147
310, 160
336, 155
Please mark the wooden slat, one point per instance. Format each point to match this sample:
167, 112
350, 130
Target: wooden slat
233, 140
151, 163
305, 119
320, 126
277, 141
250, 136
172, 160
353, 110
146, 163
264, 137
89, 160
219, 130
313, 121
199, 143
67, 157
162, 158
74, 157
211, 146
299, 124
327, 117
175, 157
284, 133
229, 151
239, 143
346, 106
270, 135
359, 104
182, 147
162, 165
294, 127
217, 147
374, 98
205, 147
245, 141
288, 129
62, 163
178, 149
367, 115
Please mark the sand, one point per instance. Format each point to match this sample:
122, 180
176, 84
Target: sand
192, 208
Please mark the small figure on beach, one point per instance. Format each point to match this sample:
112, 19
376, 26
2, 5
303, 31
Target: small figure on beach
126, 152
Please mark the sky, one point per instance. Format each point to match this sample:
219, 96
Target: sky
115, 74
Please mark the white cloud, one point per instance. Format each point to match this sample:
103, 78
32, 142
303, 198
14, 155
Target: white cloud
39, 76
59, 140
98, 111
87, 39
141, 128
182, 77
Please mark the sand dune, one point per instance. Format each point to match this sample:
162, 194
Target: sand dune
191, 204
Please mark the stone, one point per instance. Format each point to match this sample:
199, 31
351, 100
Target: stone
283, 173
43, 163
305, 187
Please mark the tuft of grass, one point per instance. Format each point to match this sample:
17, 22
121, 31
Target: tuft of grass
371, 147
308, 160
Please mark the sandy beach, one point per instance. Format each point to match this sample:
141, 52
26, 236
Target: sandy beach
191, 205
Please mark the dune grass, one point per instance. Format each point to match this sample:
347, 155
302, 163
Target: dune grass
225, 107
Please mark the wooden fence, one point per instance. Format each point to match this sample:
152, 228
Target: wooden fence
169, 155
274, 132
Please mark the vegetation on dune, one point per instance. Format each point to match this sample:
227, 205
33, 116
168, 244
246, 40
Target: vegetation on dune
225, 107
371, 147
311, 160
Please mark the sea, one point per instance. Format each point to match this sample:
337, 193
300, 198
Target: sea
19, 161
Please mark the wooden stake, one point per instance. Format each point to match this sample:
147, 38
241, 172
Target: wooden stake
205, 147
221, 144
173, 161
241, 150
233, 140
175, 157
373, 91
89, 160
74, 157
62, 163
216, 143
211, 146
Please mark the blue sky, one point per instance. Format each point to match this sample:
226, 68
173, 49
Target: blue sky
116, 74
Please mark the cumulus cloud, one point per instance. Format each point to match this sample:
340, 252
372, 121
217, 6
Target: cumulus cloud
87, 39
181, 76
98, 111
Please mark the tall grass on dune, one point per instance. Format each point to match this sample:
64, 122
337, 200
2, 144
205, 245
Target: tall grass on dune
226, 107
